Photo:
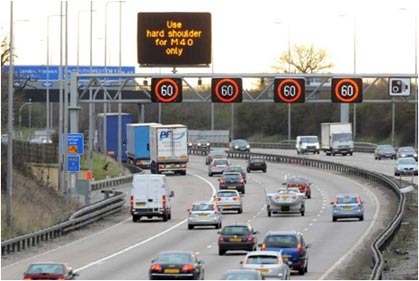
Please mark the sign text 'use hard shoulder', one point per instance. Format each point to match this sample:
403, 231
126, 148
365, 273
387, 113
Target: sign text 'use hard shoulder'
174, 39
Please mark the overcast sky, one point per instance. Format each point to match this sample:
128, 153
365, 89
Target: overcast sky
247, 36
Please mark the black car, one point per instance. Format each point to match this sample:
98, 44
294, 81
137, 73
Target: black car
239, 145
177, 265
232, 181
256, 164
384, 151
237, 237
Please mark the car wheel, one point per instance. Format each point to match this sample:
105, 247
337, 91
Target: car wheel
190, 226
302, 213
361, 218
306, 268
264, 170
334, 219
221, 252
248, 170
165, 217
169, 216
134, 218
243, 191
240, 211
301, 271
269, 212
209, 174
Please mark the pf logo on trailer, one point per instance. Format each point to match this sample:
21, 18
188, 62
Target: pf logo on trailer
347, 90
399, 87
289, 90
226, 90
166, 90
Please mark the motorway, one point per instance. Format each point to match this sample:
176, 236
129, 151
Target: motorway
125, 250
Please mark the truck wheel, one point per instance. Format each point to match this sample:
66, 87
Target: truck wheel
165, 217
169, 216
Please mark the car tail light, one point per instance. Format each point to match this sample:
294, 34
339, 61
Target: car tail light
131, 201
27, 278
236, 198
156, 267
161, 166
241, 181
263, 247
221, 239
187, 267
279, 261
335, 202
222, 181
217, 199
61, 278
245, 261
183, 165
250, 238
164, 201
299, 249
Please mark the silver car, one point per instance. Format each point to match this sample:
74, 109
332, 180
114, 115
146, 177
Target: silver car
269, 263
229, 200
204, 213
406, 166
217, 166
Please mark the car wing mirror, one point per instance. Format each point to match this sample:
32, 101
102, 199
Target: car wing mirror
201, 262
256, 232
308, 245
172, 194
241, 262
76, 274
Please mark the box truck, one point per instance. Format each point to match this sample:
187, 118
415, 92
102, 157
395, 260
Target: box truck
111, 133
138, 144
150, 197
168, 149
336, 138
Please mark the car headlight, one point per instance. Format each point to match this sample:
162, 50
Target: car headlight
208, 144
247, 146
236, 147
199, 144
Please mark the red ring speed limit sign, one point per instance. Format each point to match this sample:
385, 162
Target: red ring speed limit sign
226, 90
166, 90
347, 90
289, 90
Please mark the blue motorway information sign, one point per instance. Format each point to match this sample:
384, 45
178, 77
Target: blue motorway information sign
75, 143
39, 72
73, 163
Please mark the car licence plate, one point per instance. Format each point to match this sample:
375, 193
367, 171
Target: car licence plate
285, 258
235, 240
231, 187
140, 204
263, 270
202, 215
346, 208
171, 270
227, 207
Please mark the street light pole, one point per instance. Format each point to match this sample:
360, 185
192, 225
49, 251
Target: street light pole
10, 127
20, 111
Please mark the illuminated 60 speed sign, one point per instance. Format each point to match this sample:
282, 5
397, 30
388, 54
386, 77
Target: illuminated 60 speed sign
226, 90
289, 90
166, 90
347, 90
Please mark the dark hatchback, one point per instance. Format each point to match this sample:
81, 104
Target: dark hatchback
237, 237
292, 246
49, 271
256, 164
384, 151
177, 265
232, 181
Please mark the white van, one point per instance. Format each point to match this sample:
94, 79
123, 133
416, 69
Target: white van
150, 197
306, 144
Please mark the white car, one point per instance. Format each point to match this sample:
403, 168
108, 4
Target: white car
204, 213
217, 166
269, 263
229, 200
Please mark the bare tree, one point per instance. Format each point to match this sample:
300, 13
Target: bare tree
303, 59
5, 51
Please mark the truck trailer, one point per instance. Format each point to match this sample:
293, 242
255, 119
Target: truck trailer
138, 144
168, 149
336, 138
110, 132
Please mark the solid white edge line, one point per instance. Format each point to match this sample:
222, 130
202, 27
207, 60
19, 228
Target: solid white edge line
366, 233
148, 239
